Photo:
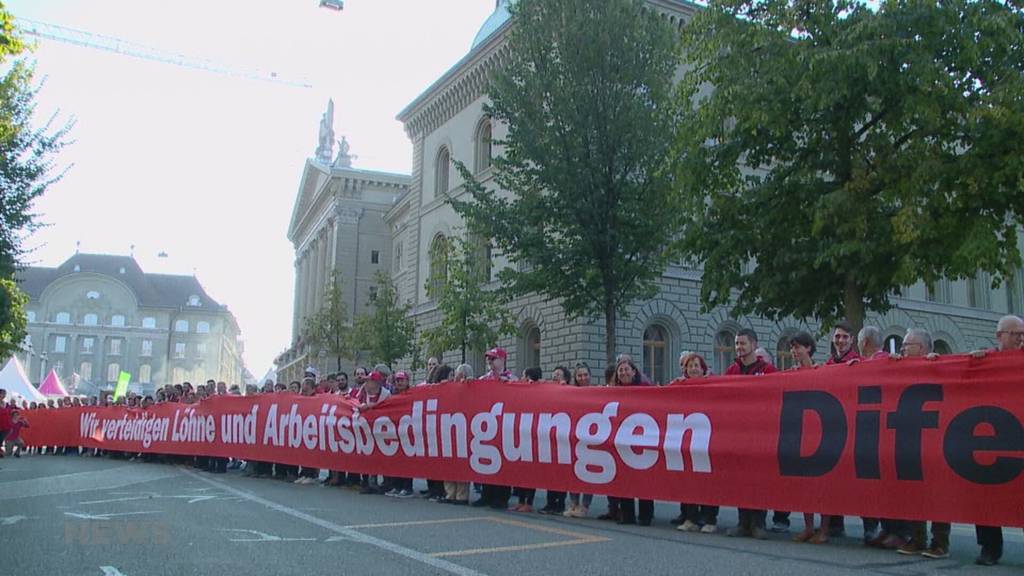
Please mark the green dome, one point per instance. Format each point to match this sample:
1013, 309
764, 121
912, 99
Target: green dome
493, 22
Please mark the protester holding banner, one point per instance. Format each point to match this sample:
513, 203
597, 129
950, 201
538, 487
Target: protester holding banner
579, 504
627, 374
696, 517
748, 363
457, 492
1009, 337
556, 499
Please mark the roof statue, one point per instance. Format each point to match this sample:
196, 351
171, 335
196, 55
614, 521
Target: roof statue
325, 148
344, 159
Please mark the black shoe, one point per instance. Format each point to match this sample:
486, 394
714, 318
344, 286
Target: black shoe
986, 558
481, 503
626, 521
678, 520
500, 505
645, 521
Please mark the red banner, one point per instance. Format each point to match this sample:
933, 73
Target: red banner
910, 439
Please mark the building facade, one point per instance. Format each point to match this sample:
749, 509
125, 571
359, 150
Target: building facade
447, 123
337, 225
97, 315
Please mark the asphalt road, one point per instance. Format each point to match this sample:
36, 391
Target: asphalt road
68, 515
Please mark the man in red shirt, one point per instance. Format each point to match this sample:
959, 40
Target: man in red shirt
5, 419
843, 349
748, 363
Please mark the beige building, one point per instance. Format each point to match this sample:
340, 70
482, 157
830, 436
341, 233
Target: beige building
337, 224
96, 315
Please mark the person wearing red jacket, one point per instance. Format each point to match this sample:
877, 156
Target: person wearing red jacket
748, 363
843, 350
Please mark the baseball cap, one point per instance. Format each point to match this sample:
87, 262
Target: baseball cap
376, 376
497, 353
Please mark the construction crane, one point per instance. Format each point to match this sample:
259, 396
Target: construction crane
119, 46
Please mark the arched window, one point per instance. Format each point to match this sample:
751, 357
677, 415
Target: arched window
149, 322
441, 169
783, 357
655, 344
942, 347
531, 347
398, 257
63, 318
145, 374
181, 326
725, 349
92, 295
90, 319
892, 344
117, 320
202, 327
438, 265
85, 371
484, 148
113, 371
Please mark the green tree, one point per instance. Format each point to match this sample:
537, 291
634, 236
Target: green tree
587, 95
27, 152
473, 317
388, 332
848, 151
12, 317
329, 330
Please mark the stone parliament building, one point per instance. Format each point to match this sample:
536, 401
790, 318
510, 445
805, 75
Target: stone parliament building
343, 216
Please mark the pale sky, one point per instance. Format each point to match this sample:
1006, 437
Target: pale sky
206, 167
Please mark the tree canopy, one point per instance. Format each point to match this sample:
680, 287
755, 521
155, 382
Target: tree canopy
328, 330
388, 332
845, 152
585, 207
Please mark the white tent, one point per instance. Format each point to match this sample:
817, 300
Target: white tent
14, 380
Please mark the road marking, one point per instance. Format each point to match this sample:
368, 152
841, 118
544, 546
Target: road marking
125, 499
11, 520
355, 535
111, 571
263, 536
577, 539
84, 516
84, 481
417, 522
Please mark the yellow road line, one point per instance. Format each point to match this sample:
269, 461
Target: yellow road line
471, 551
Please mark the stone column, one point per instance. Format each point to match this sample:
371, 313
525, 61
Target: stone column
296, 301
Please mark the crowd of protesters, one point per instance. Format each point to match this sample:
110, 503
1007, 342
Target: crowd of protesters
369, 387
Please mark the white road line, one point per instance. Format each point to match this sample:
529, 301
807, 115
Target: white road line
84, 516
111, 571
84, 481
349, 533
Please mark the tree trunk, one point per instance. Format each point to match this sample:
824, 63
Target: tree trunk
609, 332
853, 304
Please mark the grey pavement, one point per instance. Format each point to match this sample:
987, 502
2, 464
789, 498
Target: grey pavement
71, 515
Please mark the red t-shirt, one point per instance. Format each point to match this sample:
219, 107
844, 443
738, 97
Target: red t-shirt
851, 354
5, 418
738, 368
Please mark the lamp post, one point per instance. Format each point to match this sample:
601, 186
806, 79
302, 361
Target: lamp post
42, 367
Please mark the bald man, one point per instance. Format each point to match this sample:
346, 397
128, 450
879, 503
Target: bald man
1009, 336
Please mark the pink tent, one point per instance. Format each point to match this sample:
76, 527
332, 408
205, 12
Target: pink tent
51, 386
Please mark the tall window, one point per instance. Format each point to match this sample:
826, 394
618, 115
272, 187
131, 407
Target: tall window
117, 321
438, 264
147, 348
783, 357
63, 318
725, 349
60, 344
892, 344
179, 349
978, 291
145, 373
201, 349
531, 356
655, 343
31, 315
181, 326
87, 344
90, 319
398, 256
374, 256
85, 371
58, 367
115, 346
484, 150
441, 168
149, 322
113, 371
202, 327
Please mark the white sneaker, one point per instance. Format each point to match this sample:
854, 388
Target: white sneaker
688, 526
709, 529
392, 493
578, 512
570, 511
405, 494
